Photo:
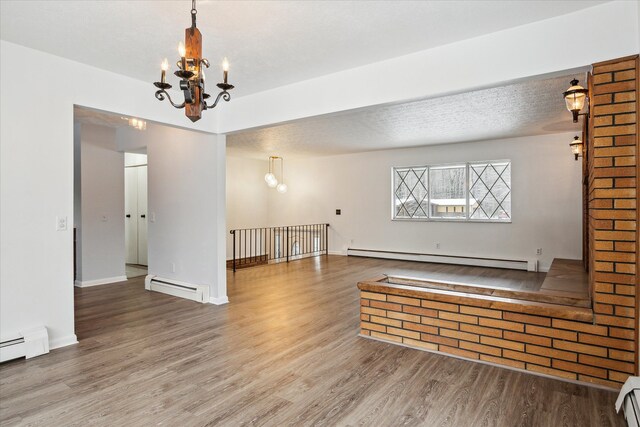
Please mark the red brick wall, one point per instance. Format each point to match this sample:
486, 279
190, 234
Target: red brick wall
613, 177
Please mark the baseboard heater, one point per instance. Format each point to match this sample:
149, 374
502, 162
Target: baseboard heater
199, 293
28, 343
514, 264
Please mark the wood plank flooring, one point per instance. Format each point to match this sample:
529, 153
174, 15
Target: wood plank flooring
285, 351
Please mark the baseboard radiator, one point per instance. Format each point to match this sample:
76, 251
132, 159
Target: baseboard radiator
199, 293
514, 264
28, 343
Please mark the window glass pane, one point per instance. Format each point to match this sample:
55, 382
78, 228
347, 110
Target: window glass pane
447, 188
410, 192
490, 191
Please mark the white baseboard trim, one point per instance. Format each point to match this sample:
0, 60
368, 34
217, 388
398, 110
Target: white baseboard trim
343, 253
98, 282
527, 265
63, 341
219, 300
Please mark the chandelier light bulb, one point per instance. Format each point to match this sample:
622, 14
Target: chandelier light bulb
225, 64
165, 65
181, 50
272, 184
282, 188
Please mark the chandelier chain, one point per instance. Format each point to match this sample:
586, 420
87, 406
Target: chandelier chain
193, 13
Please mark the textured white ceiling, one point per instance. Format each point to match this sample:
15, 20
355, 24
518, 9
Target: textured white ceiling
269, 43
534, 107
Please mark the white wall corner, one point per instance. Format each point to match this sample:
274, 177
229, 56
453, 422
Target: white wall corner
218, 293
343, 253
63, 341
219, 300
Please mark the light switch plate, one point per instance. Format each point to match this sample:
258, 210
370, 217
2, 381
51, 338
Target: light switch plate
61, 223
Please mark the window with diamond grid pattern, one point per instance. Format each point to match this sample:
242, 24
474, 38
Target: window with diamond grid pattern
410, 192
490, 191
475, 191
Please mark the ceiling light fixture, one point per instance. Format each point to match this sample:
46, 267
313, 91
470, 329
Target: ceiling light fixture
576, 147
270, 177
191, 73
575, 97
136, 123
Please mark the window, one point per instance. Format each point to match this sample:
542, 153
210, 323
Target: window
478, 191
490, 191
447, 191
410, 199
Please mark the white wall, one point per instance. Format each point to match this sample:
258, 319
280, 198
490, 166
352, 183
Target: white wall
546, 201
36, 178
101, 228
183, 224
247, 195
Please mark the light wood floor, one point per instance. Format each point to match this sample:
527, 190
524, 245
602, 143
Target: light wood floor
284, 352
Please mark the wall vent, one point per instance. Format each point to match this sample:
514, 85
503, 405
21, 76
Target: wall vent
199, 293
28, 343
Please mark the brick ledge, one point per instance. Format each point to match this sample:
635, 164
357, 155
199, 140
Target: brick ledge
559, 311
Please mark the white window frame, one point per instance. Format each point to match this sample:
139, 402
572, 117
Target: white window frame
467, 183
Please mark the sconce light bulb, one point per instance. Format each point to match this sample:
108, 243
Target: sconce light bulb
181, 50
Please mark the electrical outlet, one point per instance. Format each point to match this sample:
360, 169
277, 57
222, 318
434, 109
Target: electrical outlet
61, 223
539, 251
437, 245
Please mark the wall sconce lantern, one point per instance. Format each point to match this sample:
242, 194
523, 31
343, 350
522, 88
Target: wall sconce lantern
270, 177
575, 97
576, 147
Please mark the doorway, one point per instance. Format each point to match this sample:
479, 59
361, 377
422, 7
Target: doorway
135, 218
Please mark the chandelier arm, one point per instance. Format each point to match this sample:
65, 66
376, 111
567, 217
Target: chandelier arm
224, 95
162, 94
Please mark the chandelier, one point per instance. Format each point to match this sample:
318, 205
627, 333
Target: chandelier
191, 73
270, 177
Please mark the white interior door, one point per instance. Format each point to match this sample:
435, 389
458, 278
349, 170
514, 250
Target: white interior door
131, 214
142, 215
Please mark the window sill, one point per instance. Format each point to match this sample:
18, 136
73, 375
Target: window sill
462, 220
